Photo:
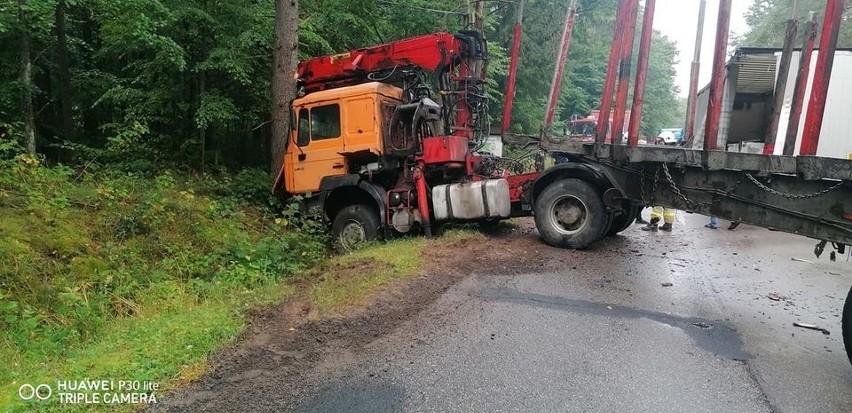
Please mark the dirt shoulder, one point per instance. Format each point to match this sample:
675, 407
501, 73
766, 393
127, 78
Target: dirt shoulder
287, 349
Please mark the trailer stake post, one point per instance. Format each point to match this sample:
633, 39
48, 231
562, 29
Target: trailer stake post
717, 85
624, 72
798, 98
781, 86
641, 73
513, 71
689, 133
822, 76
565, 45
612, 67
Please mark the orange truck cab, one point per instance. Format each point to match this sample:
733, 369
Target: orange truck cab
332, 127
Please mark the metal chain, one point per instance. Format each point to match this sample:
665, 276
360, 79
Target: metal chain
642, 192
654, 186
792, 196
691, 203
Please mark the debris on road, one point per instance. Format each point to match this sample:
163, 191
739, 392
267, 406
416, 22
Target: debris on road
801, 260
667, 284
702, 325
811, 327
774, 297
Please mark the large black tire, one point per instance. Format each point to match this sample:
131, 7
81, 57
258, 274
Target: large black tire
625, 220
353, 226
846, 325
570, 213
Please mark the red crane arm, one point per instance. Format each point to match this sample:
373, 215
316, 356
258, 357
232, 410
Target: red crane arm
431, 52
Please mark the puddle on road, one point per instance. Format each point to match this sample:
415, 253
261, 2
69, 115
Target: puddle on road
348, 395
715, 337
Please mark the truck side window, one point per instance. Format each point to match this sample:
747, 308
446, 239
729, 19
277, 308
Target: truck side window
304, 136
325, 122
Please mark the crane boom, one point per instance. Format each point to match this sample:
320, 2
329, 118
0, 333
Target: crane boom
435, 52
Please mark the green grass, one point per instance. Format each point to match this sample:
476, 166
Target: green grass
350, 279
124, 277
118, 277
168, 347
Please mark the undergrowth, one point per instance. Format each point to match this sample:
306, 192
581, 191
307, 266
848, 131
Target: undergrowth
104, 274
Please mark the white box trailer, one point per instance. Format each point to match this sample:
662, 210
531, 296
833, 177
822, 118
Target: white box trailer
749, 92
835, 140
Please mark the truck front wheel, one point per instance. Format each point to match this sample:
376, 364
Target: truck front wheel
570, 213
354, 226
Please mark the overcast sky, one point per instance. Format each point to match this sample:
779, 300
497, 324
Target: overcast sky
678, 20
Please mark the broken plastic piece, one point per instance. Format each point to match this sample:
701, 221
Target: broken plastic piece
811, 327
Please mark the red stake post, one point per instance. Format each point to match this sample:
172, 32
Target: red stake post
513, 71
612, 67
801, 87
567, 34
717, 84
822, 76
625, 69
641, 73
781, 86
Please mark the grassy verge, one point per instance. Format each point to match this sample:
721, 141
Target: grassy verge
126, 277
122, 277
350, 279
168, 343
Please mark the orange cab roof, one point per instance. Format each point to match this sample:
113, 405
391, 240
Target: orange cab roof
390, 91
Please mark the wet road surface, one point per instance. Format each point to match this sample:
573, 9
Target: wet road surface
606, 332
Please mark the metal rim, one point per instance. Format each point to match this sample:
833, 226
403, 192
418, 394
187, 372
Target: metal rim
352, 234
568, 214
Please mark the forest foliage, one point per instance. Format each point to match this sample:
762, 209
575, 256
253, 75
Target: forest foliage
147, 83
766, 20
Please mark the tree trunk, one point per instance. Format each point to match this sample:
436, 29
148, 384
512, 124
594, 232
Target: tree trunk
203, 132
64, 73
26, 80
283, 82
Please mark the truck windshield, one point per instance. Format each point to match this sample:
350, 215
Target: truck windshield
583, 128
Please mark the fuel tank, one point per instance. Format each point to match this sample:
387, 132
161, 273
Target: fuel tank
471, 201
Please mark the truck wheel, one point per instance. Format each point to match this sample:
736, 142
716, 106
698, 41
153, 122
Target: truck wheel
625, 220
354, 226
570, 213
846, 325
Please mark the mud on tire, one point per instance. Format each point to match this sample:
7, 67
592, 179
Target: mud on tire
570, 213
354, 226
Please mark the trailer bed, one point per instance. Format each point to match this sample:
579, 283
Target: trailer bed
805, 195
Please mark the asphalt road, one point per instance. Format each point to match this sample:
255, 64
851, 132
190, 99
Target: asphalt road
604, 334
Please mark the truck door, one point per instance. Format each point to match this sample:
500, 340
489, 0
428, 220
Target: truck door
360, 129
316, 153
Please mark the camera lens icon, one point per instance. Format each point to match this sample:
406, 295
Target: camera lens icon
28, 392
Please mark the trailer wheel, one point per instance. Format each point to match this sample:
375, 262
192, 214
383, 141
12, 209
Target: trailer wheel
570, 213
625, 220
353, 226
846, 325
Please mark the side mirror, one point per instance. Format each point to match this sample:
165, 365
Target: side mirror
302, 157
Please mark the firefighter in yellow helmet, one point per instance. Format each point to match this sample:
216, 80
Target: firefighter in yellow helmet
666, 214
